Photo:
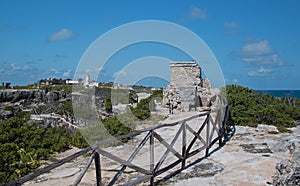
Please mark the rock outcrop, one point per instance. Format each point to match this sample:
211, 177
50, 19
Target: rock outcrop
32, 96
287, 173
45, 102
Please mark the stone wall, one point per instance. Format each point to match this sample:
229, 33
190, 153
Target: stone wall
185, 74
181, 93
187, 89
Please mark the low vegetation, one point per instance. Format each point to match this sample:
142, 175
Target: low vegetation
24, 144
248, 108
145, 106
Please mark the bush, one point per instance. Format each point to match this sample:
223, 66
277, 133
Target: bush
78, 140
108, 104
145, 106
116, 128
141, 113
248, 108
23, 144
9, 108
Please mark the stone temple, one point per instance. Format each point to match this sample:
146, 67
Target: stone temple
187, 89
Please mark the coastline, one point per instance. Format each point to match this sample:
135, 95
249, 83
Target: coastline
280, 93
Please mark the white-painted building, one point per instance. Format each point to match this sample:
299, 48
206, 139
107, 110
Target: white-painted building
72, 82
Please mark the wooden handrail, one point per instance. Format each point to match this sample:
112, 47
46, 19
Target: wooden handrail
40, 171
212, 127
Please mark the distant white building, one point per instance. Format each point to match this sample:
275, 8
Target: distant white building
93, 84
121, 86
87, 82
87, 78
72, 82
155, 89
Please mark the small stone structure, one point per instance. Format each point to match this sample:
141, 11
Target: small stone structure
187, 89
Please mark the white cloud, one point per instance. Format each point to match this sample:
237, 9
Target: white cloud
16, 68
12, 71
197, 13
260, 53
119, 74
28, 73
235, 81
231, 81
262, 72
231, 25
231, 28
67, 73
63, 34
258, 48
54, 71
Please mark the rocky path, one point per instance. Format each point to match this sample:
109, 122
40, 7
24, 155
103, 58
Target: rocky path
248, 158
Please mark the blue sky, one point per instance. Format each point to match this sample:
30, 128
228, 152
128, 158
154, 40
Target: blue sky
255, 42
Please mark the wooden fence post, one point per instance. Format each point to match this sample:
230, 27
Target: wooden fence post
98, 169
183, 145
152, 157
154, 171
224, 122
207, 136
221, 129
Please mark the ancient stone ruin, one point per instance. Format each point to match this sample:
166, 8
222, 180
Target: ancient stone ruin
187, 90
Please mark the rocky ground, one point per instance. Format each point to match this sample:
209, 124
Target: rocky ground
249, 158
253, 156
36, 101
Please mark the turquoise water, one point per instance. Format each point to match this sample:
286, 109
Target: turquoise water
281, 93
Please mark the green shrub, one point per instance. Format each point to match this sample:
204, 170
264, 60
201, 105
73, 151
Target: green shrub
248, 108
108, 104
145, 106
23, 144
9, 108
78, 140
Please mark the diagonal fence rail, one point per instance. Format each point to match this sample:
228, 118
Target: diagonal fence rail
211, 130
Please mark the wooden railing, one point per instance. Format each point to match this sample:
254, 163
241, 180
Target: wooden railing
213, 126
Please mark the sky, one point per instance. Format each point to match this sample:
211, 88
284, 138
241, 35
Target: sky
256, 43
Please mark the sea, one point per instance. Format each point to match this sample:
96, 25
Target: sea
281, 93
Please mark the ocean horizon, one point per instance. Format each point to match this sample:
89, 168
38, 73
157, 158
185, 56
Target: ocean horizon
281, 93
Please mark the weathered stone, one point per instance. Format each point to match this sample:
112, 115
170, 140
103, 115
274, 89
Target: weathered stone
44, 101
187, 90
267, 128
185, 74
287, 173
5, 114
206, 83
256, 148
63, 173
14, 96
207, 168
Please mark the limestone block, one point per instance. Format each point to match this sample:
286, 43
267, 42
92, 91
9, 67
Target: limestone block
187, 89
205, 101
267, 128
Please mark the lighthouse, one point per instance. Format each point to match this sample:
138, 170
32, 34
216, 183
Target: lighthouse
87, 78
